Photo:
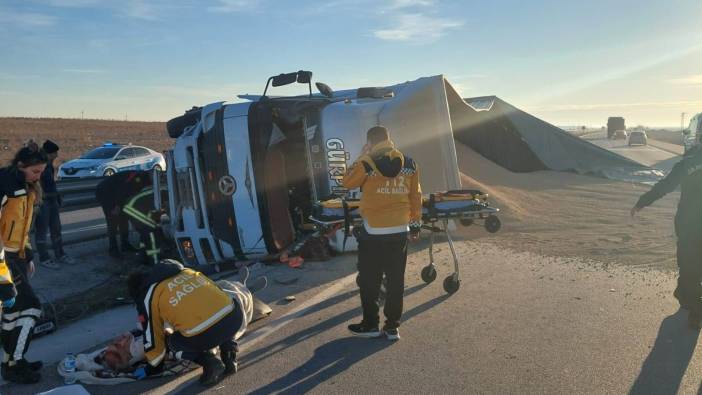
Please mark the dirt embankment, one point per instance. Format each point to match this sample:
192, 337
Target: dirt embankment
666, 136
565, 214
75, 136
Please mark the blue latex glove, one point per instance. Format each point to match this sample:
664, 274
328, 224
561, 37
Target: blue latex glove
8, 303
140, 373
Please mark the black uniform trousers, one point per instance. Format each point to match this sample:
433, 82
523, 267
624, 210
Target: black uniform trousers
219, 335
116, 223
19, 320
380, 255
689, 254
48, 221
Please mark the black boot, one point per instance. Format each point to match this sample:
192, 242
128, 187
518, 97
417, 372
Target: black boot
212, 369
20, 373
229, 359
35, 366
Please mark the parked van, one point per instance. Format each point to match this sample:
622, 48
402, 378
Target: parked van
243, 177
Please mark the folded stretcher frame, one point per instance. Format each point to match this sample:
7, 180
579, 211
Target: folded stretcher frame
466, 206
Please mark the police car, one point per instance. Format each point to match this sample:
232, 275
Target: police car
112, 158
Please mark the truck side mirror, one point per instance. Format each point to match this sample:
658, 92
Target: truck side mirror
284, 79
686, 132
304, 77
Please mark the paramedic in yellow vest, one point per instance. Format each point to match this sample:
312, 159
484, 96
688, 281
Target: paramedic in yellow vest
185, 312
20, 188
391, 207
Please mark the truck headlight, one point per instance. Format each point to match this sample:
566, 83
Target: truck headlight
186, 248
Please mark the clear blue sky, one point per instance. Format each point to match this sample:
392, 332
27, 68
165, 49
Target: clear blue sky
569, 62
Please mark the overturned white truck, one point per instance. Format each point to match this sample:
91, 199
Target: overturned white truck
243, 177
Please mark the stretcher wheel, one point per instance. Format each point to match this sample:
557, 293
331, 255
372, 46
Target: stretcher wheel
466, 221
451, 284
428, 274
492, 224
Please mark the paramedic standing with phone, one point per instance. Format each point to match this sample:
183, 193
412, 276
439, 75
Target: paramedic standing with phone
391, 207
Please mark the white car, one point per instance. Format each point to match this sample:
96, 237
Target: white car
638, 137
111, 158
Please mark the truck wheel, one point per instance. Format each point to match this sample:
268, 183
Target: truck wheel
177, 125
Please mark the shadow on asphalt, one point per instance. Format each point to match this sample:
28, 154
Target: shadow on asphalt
329, 359
665, 366
337, 356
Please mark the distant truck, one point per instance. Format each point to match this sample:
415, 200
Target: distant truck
614, 124
691, 134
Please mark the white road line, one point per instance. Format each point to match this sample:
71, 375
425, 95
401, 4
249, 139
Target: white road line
301, 310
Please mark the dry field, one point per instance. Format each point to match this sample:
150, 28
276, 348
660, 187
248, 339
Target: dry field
75, 136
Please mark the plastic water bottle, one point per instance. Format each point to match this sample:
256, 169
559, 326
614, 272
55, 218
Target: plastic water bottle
69, 366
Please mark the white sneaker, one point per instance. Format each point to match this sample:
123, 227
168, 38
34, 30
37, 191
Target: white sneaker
66, 259
50, 264
392, 334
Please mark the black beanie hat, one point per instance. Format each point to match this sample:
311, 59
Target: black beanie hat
50, 147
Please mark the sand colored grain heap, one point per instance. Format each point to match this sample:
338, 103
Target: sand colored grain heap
566, 214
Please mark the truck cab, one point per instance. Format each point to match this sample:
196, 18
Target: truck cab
243, 177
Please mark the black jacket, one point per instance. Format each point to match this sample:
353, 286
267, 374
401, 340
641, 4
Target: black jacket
48, 184
116, 190
688, 175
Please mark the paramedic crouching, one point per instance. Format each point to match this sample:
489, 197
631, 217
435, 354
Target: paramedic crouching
688, 228
391, 206
183, 311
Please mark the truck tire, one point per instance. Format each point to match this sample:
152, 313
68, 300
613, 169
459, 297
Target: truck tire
177, 125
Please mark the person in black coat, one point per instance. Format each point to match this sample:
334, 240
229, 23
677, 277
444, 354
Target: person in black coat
48, 220
113, 193
686, 174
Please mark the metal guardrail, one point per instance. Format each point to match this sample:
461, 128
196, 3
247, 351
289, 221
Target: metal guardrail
78, 193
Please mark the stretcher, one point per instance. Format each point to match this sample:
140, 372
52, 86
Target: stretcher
467, 206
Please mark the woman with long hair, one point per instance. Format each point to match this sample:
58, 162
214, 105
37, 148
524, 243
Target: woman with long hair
20, 188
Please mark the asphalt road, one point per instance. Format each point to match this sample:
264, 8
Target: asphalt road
650, 155
82, 225
521, 323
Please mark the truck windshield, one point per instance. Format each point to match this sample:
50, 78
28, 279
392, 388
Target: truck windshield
101, 153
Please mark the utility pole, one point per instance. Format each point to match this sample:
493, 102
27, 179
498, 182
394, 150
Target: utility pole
81, 115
